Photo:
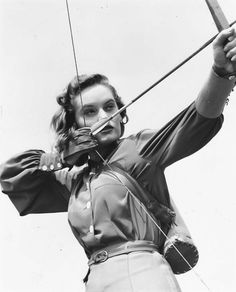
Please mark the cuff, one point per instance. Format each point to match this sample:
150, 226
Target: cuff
50, 162
213, 96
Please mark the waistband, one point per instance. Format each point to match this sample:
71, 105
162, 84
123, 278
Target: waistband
121, 248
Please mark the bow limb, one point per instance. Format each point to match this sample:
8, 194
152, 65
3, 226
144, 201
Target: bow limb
224, 55
217, 14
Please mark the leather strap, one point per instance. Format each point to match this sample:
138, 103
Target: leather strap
156, 210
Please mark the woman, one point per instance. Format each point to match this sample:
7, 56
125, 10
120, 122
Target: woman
124, 245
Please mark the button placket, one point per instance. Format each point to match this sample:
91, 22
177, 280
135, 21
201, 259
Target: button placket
91, 229
89, 205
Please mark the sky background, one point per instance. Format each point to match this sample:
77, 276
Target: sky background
134, 43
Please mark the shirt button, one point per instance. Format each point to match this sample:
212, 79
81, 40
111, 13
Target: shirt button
88, 205
51, 166
91, 229
44, 167
59, 165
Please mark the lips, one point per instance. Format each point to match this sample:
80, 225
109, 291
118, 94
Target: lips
108, 128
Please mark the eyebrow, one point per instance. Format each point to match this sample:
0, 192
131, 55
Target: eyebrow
85, 106
110, 100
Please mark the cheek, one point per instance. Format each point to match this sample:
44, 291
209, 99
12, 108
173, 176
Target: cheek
85, 122
117, 125
118, 120
80, 123
79, 120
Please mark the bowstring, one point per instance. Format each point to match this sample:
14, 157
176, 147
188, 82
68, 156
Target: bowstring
74, 56
109, 166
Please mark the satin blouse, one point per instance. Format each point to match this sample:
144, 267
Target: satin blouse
101, 211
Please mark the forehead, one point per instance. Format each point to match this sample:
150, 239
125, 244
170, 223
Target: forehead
94, 95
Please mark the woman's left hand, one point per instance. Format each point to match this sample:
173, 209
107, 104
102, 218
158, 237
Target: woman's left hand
224, 50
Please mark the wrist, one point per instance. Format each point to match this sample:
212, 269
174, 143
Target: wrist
213, 95
223, 73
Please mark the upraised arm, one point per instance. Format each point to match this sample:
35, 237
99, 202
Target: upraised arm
212, 98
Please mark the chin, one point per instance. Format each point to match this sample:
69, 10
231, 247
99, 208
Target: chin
107, 139
105, 142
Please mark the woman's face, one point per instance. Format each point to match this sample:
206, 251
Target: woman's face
98, 103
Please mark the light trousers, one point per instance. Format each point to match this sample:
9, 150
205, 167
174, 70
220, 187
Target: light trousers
134, 272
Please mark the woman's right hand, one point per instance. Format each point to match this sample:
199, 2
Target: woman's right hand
81, 144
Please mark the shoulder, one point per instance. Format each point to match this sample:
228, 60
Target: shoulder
143, 135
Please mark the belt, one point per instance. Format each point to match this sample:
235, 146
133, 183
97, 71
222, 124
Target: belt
122, 248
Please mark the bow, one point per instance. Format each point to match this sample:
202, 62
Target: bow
221, 23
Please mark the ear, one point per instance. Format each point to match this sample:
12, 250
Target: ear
124, 120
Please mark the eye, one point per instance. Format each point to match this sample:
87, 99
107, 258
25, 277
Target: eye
110, 107
89, 112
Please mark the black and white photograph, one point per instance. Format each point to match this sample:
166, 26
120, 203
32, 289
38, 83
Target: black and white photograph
117, 152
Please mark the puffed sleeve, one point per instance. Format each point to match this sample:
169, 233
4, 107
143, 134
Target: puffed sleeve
30, 189
182, 136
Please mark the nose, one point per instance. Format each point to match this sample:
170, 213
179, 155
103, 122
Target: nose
102, 115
